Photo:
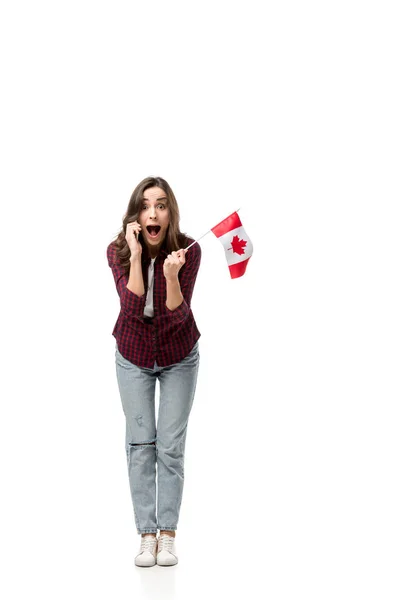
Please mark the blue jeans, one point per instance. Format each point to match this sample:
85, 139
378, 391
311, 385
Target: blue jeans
147, 446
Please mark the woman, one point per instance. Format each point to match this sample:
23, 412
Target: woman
157, 338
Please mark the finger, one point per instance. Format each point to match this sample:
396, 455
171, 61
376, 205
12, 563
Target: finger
136, 229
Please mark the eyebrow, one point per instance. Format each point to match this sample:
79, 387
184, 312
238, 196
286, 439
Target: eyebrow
163, 198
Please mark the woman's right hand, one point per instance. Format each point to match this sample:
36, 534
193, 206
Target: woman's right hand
131, 236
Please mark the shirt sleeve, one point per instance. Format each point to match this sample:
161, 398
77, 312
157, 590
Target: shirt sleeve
132, 306
187, 278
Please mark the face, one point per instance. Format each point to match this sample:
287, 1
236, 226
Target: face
154, 219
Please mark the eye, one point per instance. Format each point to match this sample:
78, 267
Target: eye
161, 206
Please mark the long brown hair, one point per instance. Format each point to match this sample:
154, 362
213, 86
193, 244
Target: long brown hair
174, 239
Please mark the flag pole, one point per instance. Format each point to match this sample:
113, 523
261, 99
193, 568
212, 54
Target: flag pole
193, 243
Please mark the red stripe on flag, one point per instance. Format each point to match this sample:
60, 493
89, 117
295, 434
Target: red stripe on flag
231, 222
238, 269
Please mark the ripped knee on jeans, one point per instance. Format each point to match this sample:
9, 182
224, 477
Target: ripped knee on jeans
151, 442
144, 444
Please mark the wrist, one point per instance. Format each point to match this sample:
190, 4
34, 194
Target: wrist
172, 278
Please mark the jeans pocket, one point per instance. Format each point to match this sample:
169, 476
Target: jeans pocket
121, 361
194, 355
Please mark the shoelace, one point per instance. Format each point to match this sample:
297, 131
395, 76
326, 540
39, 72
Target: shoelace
148, 543
165, 542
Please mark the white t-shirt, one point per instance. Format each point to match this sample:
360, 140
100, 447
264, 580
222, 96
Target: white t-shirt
149, 307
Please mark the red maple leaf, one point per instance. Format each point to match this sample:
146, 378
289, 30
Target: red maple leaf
238, 245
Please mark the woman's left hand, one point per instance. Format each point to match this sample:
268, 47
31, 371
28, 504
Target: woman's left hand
173, 263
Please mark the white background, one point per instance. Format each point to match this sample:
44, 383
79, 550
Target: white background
289, 110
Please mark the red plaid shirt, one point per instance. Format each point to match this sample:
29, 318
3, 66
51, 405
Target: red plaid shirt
170, 335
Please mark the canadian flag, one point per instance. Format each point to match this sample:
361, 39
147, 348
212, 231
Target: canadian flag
237, 244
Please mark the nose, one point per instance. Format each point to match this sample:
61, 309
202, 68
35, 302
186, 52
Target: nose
152, 212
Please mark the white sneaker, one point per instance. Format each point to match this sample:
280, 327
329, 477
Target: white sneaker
147, 553
166, 553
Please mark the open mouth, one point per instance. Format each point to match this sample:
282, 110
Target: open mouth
153, 230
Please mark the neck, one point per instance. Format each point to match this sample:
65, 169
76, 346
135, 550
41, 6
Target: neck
153, 251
